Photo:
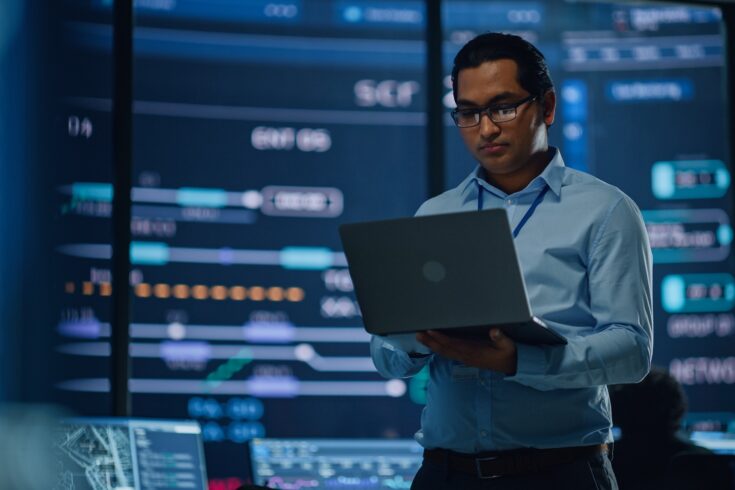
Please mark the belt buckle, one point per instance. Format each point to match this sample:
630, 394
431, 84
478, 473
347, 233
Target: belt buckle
478, 466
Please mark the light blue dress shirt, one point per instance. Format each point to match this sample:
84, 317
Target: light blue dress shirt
586, 262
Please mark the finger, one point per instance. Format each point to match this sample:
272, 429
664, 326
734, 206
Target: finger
438, 336
437, 345
455, 342
500, 340
428, 341
449, 343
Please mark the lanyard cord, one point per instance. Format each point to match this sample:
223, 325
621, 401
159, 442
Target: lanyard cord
526, 216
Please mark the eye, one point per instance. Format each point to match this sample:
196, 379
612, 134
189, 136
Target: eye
467, 115
504, 110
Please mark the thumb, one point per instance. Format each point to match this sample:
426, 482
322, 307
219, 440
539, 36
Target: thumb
497, 336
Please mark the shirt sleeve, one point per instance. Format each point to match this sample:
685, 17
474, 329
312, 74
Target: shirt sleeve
392, 362
619, 347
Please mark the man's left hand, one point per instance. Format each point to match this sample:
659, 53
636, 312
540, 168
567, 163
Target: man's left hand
498, 353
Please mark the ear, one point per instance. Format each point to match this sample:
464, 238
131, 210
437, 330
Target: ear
549, 106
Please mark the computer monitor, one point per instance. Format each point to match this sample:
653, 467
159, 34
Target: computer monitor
129, 454
717, 442
335, 463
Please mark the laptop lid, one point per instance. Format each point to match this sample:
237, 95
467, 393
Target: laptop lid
335, 463
436, 272
130, 454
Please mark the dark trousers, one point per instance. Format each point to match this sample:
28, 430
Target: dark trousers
593, 472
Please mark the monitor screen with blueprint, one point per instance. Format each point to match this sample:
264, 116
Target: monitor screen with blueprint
129, 454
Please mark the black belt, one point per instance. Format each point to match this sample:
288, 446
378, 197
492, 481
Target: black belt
495, 464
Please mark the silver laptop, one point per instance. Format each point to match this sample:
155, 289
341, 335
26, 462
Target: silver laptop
457, 273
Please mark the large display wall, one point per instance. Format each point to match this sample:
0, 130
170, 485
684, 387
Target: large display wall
260, 126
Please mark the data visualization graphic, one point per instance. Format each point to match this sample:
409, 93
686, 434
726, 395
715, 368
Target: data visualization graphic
335, 463
259, 127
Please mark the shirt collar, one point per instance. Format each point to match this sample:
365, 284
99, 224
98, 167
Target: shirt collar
552, 175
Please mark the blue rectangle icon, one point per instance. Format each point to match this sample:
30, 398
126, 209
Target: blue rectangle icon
405, 14
149, 253
688, 235
698, 293
201, 198
689, 179
636, 91
306, 258
92, 191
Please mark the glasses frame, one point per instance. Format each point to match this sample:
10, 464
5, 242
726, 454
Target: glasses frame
488, 110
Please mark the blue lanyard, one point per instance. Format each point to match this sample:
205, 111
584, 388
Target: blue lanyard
526, 216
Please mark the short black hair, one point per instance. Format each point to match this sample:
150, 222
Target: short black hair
533, 73
656, 405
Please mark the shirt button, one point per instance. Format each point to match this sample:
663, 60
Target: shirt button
509, 202
483, 433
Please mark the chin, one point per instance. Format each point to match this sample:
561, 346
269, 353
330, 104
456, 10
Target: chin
496, 167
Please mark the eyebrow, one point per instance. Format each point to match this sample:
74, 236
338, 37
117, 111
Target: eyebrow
498, 98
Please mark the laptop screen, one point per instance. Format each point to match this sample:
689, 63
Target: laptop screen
335, 463
129, 454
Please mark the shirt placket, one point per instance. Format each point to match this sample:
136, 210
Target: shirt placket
510, 204
484, 411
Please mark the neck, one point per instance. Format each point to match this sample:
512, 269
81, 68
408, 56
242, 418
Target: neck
518, 179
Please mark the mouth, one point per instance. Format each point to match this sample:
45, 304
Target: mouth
492, 148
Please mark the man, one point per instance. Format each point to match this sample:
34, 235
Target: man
513, 416
653, 452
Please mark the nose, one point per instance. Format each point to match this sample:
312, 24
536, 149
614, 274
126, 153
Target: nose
487, 126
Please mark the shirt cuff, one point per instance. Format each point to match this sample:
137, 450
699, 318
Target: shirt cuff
404, 343
398, 357
531, 362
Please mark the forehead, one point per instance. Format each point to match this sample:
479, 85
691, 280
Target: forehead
491, 78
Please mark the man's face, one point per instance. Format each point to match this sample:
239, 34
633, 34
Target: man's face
506, 147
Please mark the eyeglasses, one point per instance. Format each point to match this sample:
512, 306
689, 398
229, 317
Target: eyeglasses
466, 118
